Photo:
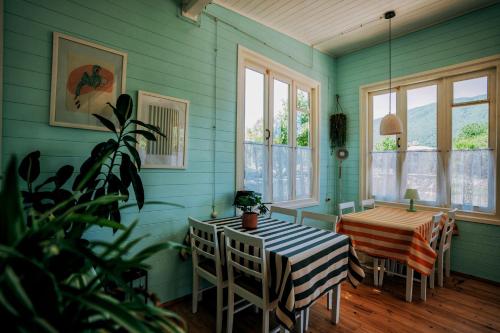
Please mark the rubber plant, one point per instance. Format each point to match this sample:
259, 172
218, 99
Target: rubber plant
52, 280
111, 168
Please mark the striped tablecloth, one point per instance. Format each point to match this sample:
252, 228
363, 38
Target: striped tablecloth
304, 262
393, 233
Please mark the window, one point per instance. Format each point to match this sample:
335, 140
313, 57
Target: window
448, 149
277, 150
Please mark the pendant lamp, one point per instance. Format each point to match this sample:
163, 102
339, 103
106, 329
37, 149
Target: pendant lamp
390, 124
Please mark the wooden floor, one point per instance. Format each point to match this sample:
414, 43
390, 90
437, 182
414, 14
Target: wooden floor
463, 305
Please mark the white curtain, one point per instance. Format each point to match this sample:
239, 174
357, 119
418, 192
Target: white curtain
384, 185
472, 179
423, 170
255, 178
303, 173
281, 173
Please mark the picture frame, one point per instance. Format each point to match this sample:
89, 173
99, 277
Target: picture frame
170, 114
85, 77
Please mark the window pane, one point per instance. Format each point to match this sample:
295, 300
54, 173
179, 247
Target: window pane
303, 101
303, 126
254, 106
470, 90
281, 174
304, 173
384, 171
422, 118
472, 180
420, 171
281, 110
380, 109
255, 177
470, 127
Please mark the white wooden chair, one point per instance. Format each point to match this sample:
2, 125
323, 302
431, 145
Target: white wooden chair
346, 205
207, 264
367, 204
253, 282
284, 211
433, 239
332, 219
444, 247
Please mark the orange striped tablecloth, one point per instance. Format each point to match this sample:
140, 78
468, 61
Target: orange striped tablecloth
394, 233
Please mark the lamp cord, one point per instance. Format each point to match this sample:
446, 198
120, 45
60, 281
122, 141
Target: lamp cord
390, 69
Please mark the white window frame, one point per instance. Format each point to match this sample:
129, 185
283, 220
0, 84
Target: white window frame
272, 69
443, 77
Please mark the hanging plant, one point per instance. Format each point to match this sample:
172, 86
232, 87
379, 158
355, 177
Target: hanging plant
338, 128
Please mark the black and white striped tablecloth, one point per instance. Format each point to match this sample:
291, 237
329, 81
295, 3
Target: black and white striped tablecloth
304, 262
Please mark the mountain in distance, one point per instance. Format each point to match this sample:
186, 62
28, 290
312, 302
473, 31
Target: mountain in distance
422, 121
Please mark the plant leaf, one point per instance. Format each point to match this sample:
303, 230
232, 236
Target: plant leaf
63, 174
124, 106
148, 135
150, 127
12, 226
106, 122
29, 169
134, 154
128, 173
93, 220
118, 115
130, 138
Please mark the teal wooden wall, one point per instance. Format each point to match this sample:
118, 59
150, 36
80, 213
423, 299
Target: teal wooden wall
477, 250
168, 56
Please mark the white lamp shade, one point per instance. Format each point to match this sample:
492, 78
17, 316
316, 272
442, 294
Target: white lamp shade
390, 125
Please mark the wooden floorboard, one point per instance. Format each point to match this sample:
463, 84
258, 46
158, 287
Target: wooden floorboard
463, 305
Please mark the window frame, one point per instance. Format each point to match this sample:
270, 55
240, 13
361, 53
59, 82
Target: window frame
273, 70
444, 78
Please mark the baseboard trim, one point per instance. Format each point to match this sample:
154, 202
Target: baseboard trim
477, 278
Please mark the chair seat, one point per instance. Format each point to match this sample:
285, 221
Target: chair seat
209, 266
250, 284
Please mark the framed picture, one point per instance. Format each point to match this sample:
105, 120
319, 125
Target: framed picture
171, 116
85, 77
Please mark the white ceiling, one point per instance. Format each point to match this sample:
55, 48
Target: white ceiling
341, 26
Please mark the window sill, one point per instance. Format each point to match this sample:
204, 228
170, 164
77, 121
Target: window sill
303, 203
474, 217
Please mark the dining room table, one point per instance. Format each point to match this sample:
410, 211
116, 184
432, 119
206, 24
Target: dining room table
393, 233
304, 263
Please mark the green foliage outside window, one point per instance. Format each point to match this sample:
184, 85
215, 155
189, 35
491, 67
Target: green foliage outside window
472, 136
387, 144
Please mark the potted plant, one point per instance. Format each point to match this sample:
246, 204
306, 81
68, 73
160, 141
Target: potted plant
250, 203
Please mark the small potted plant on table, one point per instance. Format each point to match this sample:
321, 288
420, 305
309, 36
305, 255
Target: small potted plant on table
250, 203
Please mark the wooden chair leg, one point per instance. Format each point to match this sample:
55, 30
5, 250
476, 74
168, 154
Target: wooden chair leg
375, 272
329, 300
381, 272
196, 287
448, 262
440, 269
409, 283
220, 305
230, 309
299, 324
265, 321
423, 287
306, 320
432, 277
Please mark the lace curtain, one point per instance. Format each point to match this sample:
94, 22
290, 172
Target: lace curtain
472, 179
384, 182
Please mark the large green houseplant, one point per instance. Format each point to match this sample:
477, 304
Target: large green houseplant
51, 278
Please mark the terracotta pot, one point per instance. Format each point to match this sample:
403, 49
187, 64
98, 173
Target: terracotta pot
249, 220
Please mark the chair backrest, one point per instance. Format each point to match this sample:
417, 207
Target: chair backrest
285, 211
204, 243
246, 254
448, 228
319, 217
435, 230
346, 205
367, 204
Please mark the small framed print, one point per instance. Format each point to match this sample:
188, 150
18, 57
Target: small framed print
85, 77
171, 116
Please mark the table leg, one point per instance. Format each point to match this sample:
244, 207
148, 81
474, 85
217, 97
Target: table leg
375, 272
335, 312
409, 283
